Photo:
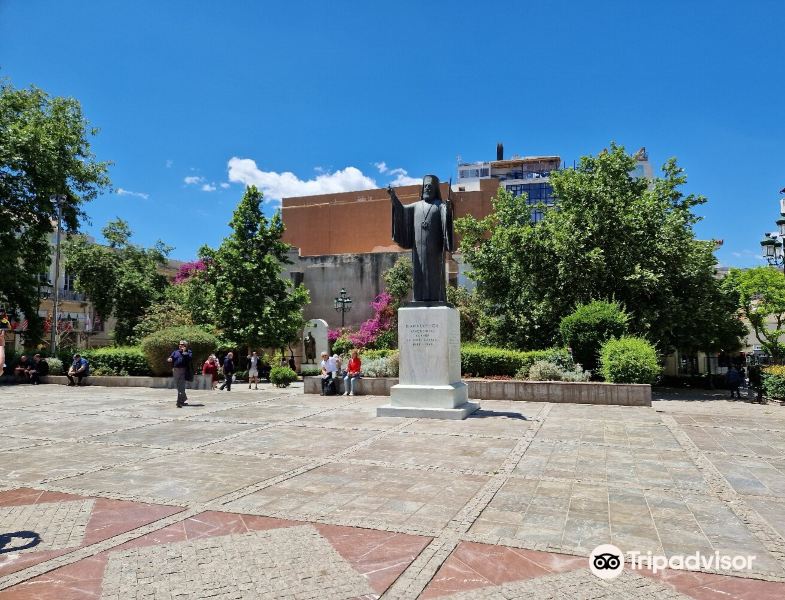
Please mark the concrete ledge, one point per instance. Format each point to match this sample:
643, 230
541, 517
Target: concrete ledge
622, 394
419, 412
200, 382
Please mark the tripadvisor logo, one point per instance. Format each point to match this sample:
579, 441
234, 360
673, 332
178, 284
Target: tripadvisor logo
607, 561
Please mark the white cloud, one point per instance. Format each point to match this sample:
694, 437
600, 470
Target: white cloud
193, 180
169, 163
208, 187
401, 175
225, 185
142, 195
283, 185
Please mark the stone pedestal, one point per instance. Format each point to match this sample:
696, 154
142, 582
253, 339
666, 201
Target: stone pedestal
429, 375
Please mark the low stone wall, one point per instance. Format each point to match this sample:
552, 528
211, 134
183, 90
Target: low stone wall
200, 382
623, 394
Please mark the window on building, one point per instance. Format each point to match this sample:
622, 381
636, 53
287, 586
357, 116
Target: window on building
69, 281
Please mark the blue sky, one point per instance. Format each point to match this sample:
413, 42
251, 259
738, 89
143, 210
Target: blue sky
194, 99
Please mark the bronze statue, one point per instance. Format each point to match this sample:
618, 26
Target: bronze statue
310, 348
425, 227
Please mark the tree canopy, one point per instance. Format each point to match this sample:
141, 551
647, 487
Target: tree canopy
611, 237
121, 279
761, 298
254, 305
44, 151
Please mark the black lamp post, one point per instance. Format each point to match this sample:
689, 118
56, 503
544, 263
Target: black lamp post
772, 243
343, 304
58, 202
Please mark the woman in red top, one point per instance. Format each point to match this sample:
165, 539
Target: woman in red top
210, 367
352, 374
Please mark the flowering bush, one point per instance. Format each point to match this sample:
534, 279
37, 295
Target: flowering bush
189, 269
334, 334
381, 321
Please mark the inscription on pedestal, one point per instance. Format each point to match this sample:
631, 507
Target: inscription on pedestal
422, 335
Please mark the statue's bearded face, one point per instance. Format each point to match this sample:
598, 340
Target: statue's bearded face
429, 188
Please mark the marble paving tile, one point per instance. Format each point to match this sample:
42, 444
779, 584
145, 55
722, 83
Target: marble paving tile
175, 434
293, 441
64, 459
182, 476
481, 454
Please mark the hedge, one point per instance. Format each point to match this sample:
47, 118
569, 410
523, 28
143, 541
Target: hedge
158, 346
282, 376
483, 361
116, 360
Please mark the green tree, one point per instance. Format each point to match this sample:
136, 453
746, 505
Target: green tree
44, 151
255, 305
610, 236
398, 279
121, 279
761, 298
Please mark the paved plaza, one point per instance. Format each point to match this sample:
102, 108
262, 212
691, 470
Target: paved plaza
114, 493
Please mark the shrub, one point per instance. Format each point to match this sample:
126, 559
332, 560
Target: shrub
370, 354
589, 326
342, 345
55, 366
282, 376
629, 360
158, 346
117, 360
241, 375
542, 370
387, 340
383, 366
310, 372
561, 369
774, 381
482, 361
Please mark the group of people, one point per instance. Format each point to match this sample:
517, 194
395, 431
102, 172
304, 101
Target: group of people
31, 371
182, 370
332, 371
736, 378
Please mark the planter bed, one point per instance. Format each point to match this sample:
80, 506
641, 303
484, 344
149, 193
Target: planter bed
623, 394
200, 382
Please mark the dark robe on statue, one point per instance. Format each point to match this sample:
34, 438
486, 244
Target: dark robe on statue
426, 227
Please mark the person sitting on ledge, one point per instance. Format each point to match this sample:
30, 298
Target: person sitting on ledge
79, 370
352, 374
20, 372
39, 368
326, 371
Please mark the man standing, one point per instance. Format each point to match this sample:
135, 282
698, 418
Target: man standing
79, 370
181, 368
253, 371
228, 372
39, 368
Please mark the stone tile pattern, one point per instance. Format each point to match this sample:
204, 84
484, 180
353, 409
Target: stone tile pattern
59, 524
291, 562
576, 585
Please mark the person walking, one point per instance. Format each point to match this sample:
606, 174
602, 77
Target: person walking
80, 369
756, 382
253, 370
733, 379
228, 372
181, 371
352, 374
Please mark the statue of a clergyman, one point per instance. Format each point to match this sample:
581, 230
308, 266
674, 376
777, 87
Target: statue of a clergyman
310, 348
425, 227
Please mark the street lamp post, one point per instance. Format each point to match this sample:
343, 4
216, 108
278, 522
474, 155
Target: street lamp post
343, 304
58, 201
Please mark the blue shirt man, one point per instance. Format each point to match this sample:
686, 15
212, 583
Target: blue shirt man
80, 369
181, 371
